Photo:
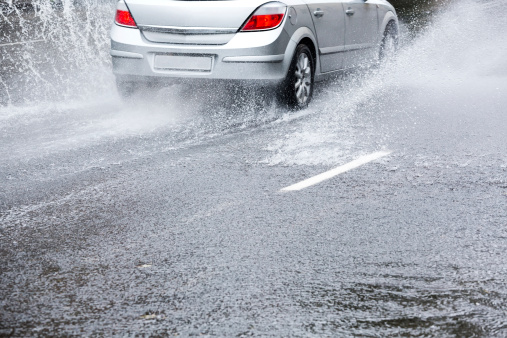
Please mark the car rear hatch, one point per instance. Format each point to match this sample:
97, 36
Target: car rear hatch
191, 22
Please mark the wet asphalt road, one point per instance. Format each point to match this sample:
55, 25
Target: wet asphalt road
165, 216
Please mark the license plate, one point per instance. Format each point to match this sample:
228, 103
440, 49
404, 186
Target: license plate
184, 62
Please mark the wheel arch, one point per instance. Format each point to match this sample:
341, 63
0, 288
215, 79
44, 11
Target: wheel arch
303, 35
389, 19
309, 43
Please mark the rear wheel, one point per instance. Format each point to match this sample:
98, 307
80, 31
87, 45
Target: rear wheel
297, 89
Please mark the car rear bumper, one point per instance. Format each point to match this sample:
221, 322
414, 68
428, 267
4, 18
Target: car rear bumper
247, 56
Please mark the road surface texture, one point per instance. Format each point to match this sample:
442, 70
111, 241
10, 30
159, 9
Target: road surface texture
166, 216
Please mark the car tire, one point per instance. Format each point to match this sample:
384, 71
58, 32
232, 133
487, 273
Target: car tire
297, 89
389, 45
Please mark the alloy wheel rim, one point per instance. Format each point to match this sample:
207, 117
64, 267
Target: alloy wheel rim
303, 74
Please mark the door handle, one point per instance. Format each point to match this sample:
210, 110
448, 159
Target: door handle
319, 13
350, 11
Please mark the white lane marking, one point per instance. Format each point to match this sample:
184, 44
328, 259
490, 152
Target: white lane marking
21, 42
337, 171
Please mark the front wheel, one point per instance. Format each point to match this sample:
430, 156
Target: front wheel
297, 89
389, 45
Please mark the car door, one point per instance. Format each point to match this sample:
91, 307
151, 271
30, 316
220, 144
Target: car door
361, 32
329, 21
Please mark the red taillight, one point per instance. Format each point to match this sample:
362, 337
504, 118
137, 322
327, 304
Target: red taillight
262, 22
124, 18
268, 16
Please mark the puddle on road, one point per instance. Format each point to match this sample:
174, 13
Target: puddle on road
81, 115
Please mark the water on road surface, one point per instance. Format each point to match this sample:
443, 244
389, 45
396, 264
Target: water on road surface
165, 216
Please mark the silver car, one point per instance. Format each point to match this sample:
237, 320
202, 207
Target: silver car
289, 44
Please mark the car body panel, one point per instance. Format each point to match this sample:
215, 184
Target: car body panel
191, 22
219, 14
361, 27
329, 22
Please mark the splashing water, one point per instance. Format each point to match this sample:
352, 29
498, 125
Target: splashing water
63, 55
55, 51
462, 55
56, 71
